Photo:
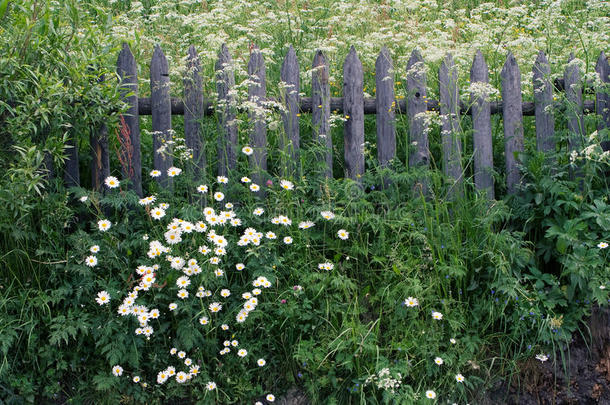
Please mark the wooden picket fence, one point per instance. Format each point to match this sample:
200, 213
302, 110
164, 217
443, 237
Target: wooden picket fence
353, 106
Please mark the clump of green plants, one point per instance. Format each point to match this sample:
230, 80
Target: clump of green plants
228, 291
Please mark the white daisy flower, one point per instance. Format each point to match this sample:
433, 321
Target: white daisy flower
111, 182
174, 171
117, 370
103, 225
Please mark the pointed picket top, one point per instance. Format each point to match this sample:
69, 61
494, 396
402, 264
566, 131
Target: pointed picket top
414, 58
256, 62
290, 141
351, 61
159, 61
481, 125
450, 123
512, 115
353, 107
223, 56
386, 107
479, 72
543, 101
320, 114
510, 67
602, 98
319, 59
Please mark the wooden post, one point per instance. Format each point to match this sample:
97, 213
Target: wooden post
161, 114
450, 125
386, 107
128, 72
257, 94
289, 143
353, 107
320, 108
193, 111
543, 103
513, 120
227, 138
573, 88
481, 124
416, 110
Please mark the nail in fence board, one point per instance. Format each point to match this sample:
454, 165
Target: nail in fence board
573, 88
161, 113
543, 102
227, 138
289, 142
481, 124
353, 105
193, 111
320, 108
450, 123
386, 107
513, 120
257, 94
128, 72
602, 97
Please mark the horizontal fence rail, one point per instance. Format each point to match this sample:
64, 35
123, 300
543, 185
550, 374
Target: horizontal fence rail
352, 106
306, 106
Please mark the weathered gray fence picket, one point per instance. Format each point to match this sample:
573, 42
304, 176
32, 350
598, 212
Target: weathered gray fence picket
193, 110
290, 141
131, 159
353, 105
320, 108
513, 120
257, 93
450, 125
161, 114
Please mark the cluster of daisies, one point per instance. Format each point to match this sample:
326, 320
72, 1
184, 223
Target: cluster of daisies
412, 302
212, 251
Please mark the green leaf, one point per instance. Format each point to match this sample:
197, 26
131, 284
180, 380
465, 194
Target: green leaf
3, 8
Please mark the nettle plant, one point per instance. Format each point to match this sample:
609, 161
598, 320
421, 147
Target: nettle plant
192, 286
